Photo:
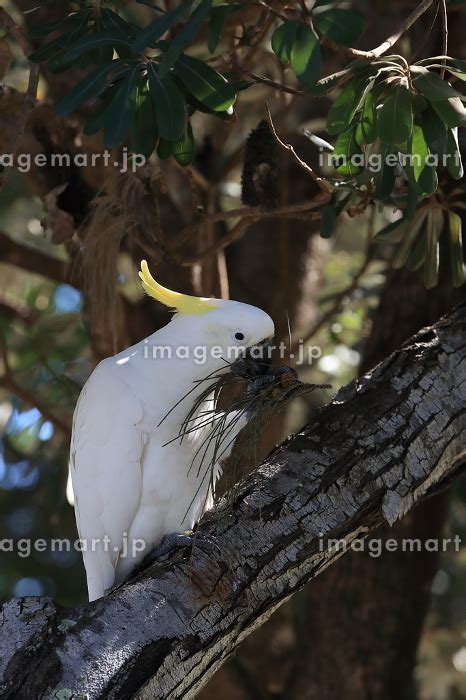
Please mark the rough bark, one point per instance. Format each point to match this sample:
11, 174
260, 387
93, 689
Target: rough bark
387, 441
353, 601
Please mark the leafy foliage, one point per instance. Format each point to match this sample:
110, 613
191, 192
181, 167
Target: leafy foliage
145, 97
145, 86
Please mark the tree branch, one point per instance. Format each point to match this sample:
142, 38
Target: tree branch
388, 43
387, 441
37, 262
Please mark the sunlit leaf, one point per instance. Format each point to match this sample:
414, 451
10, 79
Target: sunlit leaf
451, 111
344, 107
395, 118
347, 155
185, 36
431, 85
453, 155
283, 39
366, 131
183, 150
205, 83
305, 55
410, 235
433, 231
456, 248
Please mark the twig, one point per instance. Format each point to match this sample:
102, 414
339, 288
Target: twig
444, 16
273, 84
248, 216
9, 383
388, 43
235, 233
320, 182
31, 92
272, 11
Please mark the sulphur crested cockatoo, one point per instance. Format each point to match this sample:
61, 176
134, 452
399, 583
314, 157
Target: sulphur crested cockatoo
132, 482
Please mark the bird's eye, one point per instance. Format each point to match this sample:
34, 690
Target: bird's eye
239, 335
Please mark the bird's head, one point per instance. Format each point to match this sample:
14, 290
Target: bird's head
222, 323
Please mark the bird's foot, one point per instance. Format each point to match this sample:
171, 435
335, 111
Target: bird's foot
169, 542
173, 541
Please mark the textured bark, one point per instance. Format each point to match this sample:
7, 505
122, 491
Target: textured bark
387, 441
353, 601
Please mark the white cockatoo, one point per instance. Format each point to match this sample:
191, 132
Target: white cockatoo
132, 482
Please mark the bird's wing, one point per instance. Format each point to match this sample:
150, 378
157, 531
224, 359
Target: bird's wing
107, 449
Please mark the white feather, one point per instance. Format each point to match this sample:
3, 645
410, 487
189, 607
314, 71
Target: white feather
129, 485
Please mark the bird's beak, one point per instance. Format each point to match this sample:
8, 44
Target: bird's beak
256, 360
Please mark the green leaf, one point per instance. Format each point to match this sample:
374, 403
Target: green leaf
154, 31
96, 121
324, 85
90, 87
94, 42
453, 155
341, 26
409, 237
435, 131
433, 231
144, 134
328, 220
205, 83
420, 152
451, 111
183, 150
218, 17
417, 254
395, 118
419, 169
283, 40
118, 117
419, 104
342, 111
431, 85
384, 180
392, 233
305, 55
111, 21
184, 37
366, 131
170, 106
48, 51
165, 149
348, 153
456, 249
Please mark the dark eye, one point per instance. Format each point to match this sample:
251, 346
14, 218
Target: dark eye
239, 335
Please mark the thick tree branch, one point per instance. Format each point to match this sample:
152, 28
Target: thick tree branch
37, 262
387, 441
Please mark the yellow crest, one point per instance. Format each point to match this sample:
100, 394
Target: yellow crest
183, 303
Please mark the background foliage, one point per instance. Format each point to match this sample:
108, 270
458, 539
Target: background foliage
184, 84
